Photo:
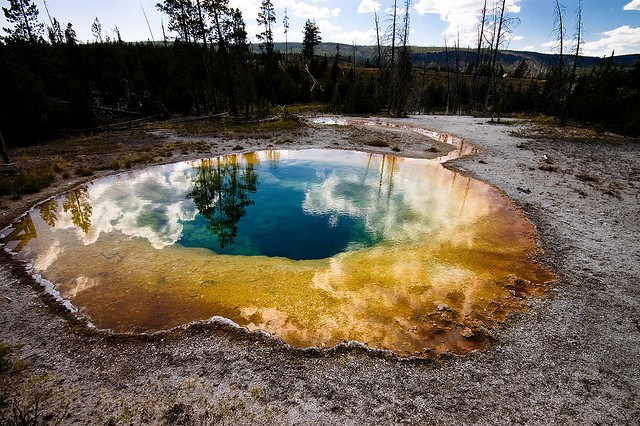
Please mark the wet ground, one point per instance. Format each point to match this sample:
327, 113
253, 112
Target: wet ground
573, 357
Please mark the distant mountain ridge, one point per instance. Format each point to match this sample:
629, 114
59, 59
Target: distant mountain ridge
437, 55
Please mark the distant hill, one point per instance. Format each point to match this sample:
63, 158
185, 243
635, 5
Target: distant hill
436, 55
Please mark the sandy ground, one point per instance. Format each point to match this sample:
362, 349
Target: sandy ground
573, 358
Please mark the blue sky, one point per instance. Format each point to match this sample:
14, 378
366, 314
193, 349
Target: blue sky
608, 24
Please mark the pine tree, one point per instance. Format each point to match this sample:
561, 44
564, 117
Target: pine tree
266, 18
96, 30
23, 14
181, 16
70, 35
311, 39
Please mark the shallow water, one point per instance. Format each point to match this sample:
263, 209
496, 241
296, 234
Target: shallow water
315, 246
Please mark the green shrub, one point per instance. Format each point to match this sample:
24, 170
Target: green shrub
377, 143
28, 181
84, 172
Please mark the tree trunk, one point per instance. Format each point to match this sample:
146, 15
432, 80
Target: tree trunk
4, 151
225, 64
572, 76
494, 61
476, 68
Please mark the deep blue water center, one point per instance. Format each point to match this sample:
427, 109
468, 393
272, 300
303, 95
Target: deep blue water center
288, 207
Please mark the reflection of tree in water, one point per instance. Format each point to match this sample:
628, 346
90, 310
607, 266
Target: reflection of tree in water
76, 202
22, 231
48, 212
222, 189
273, 157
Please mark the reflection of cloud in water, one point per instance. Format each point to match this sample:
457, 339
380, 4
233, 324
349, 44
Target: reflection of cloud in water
82, 284
150, 206
44, 260
395, 204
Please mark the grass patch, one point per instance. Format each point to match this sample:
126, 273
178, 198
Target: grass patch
378, 143
548, 168
58, 165
26, 399
228, 126
433, 149
128, 161
83, 171
115, 164
95, 144
396, 149
587, 178
27, 181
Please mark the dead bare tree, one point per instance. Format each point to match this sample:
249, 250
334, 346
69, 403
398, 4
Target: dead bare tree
476, 65
494, 60
446, 55
393, 31
456, 99
559, 29
576, 55
377, 23
503, 24
556, 79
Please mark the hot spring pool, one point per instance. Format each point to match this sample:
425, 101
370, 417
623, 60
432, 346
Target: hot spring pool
316, 247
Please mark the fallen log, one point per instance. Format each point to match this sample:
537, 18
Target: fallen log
202, 117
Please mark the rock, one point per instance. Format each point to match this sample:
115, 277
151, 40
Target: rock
444, 307
467, 333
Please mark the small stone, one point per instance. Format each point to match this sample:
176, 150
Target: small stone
8, 299
467, 333
444, 307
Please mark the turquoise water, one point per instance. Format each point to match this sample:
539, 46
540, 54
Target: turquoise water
249, 207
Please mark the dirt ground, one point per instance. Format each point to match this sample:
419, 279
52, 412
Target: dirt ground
573, 358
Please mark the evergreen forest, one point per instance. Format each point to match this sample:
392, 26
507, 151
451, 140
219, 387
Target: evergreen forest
52, 84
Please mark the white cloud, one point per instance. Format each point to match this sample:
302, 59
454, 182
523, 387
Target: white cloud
516, 38
304, 10
530, 47
368, 6
550, 44
327, 27
461, 15
308, 11
335, 12
634, 5
624, 40
249, 8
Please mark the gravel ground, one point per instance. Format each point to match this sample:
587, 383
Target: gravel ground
574, 357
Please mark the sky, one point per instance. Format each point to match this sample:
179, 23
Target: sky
608, 25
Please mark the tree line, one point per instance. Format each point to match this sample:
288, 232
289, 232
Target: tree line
52, 83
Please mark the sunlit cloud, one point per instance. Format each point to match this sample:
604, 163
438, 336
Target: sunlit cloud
304, 10
327, 27
623, 40
463, 16
634, 5
368, 6
249, 8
